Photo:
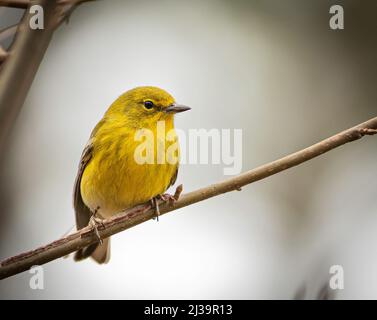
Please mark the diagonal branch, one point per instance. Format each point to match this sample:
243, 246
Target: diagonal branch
21, 63
8, 32
142, 213
20, 67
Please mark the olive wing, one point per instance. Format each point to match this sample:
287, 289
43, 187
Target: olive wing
82, 212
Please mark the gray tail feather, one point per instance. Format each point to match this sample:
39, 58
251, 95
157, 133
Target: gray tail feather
99, 252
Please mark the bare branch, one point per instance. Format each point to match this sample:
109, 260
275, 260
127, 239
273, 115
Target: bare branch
3, 54
8, 32
18, 70
21, 4
65, 9
142, 213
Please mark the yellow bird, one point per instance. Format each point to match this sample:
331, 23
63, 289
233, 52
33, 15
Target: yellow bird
110, 176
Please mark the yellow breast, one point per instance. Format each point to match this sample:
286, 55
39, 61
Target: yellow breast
113, 180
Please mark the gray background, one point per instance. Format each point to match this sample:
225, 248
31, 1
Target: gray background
272, 68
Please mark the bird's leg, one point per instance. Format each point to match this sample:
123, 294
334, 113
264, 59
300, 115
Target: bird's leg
94, 222
171, 199
156, 207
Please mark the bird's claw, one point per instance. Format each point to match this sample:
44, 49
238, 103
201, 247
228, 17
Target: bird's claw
166, 197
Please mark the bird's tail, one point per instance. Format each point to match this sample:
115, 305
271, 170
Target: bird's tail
99, 252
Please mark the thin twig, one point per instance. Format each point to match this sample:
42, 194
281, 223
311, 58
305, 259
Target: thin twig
8, 32
21, 4
142, 213
65, 9
3, 54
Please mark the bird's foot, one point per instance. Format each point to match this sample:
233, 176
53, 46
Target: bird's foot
172, 198
94, 222
166, 197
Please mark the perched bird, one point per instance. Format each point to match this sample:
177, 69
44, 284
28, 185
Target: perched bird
109, 178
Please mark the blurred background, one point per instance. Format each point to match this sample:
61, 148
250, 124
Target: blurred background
271, 68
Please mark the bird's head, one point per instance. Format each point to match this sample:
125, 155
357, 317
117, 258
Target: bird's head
143, 107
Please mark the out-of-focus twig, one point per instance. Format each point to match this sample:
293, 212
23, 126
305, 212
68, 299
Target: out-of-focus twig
19, 68
3, 54
66, 7
326, 293
142, 213
21, 4
8, 32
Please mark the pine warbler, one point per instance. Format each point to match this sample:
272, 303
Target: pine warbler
109, 178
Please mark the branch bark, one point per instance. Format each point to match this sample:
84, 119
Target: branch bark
142, 213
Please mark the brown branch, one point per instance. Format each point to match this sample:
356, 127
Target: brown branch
142, 213
3, 54
8, 32
19, 68
66, 8
21, 4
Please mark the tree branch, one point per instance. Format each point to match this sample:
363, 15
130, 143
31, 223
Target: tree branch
8, 32
19, 69
21, 4
3, 54
21, 64
142, 213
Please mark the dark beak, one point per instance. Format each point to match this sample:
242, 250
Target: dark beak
176, 108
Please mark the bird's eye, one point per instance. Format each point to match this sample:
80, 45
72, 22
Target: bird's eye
148, 104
